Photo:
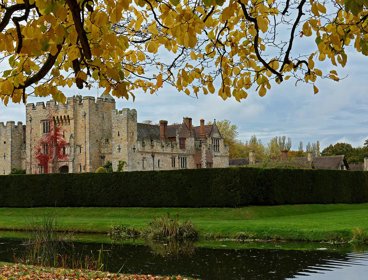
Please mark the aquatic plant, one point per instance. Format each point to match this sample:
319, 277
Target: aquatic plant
120, 232
170, 228
359, 236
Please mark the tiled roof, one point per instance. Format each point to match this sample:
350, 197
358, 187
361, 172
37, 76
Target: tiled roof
238, 161
148, 131
356, 166
329, 162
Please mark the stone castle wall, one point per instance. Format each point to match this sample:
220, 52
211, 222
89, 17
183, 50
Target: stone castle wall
12, 146
95, 132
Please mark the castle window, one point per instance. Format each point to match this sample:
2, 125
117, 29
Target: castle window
158, 163
80, 168
4, 156
65, 151
216, 144
45, 126
143, 163
107, 141
183, 162
45, 149
4, 142
173, 159
182, 143
119, 148
118, 133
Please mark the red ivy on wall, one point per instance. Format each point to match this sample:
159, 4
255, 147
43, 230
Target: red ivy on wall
51, 148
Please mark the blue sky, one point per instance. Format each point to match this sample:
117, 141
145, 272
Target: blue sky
338, 113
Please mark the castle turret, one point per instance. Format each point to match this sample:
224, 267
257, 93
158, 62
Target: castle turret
124, 138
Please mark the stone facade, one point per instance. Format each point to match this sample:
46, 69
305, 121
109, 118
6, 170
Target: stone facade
12, 146
95, 133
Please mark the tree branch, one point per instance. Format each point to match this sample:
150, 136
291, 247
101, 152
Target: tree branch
292, 34
255, 42
82, 35
46, 67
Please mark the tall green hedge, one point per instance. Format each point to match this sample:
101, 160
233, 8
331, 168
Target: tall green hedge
228, 187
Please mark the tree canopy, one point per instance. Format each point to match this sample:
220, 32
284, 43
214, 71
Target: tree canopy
227, 47
351, 153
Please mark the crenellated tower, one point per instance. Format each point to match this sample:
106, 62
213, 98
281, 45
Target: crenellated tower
12, 147
124, 138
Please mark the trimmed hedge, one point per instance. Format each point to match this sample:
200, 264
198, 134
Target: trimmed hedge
227, 187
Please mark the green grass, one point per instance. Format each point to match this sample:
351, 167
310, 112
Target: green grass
288, 222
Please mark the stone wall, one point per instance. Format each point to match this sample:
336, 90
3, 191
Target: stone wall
96, 133
12, 146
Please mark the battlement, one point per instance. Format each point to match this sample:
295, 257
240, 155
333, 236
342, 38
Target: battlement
125, 113
77, 99
11, 125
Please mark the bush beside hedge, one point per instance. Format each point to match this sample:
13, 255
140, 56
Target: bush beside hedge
228, 187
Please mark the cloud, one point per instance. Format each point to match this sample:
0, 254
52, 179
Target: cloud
338, 112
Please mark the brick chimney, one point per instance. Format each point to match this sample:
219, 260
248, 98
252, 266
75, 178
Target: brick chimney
202, 131
188, 122
284, 154
163, 127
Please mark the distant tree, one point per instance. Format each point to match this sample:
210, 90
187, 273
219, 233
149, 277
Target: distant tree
277, 145
229, 132
338, 149
314, 149
51, 148
366, 143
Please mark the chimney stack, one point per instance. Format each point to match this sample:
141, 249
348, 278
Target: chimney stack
202, 131
163, 127
188, 122
309, 157
284, 154
252, 157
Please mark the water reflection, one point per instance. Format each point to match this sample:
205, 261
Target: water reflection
220, 264
355, 267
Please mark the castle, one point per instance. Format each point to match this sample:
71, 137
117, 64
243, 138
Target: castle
86, 133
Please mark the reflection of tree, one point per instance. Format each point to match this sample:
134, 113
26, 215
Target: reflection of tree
51, 148
172, 248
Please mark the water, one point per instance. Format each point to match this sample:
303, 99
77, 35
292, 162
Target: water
221, 264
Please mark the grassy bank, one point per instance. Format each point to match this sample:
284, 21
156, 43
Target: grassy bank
288, 222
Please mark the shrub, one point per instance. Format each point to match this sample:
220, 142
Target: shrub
168, 228
359, 236
16, 171
101, 169
118, 233
227, 187
108, 166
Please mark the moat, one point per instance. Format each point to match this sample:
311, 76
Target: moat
222, 262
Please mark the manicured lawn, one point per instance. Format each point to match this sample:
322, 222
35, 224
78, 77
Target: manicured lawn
291, 222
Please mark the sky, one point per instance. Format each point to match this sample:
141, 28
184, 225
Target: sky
338, 113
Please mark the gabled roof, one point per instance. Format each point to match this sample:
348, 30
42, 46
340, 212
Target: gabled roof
207, 128
330, 162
